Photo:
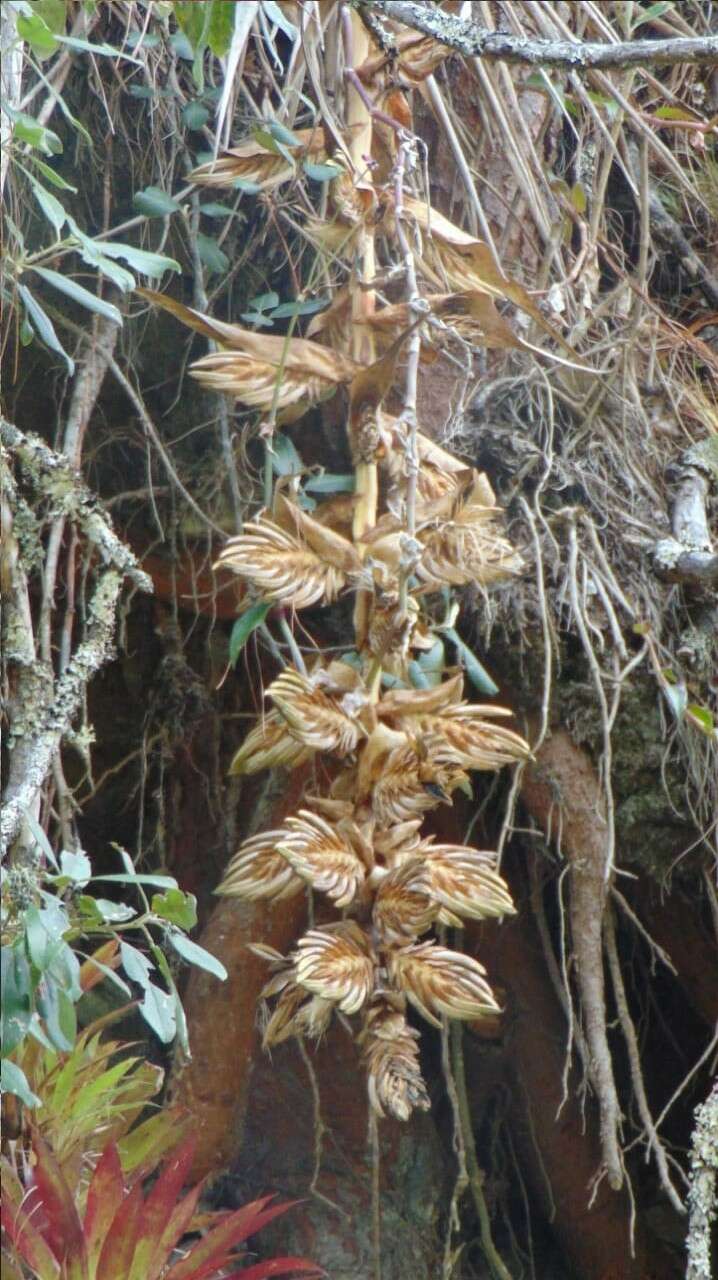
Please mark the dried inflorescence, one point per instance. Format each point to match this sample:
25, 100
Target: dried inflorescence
391, 715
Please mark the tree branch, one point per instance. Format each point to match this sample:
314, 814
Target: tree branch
474, 41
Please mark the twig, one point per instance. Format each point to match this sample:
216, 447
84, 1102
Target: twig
374, 1151
495, 46
634, 1060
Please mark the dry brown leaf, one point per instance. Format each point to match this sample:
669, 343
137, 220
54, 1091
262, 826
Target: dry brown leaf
249, 161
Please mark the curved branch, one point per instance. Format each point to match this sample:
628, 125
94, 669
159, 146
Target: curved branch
497, 46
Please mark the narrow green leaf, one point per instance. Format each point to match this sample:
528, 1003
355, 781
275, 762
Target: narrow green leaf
102, 50
148, 264
197, 955
264, 139
176, 906
653, 11
321, 172
417, 677
50, 205
79, 294
53, 13
55, 179
181, 45
275, 15
153, 202
43, 326
216, 210
243, 184
214, 258
477, 674
264, 301
280, 133
127, 877
306, 308
244, 626
14, 1080
330, 483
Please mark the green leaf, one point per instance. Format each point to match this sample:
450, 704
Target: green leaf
103, 50
153, 202
306, 308
195, 115
264, 301
328, 482
16, 995
136, 965
702, 718
432, 663
52, 1004
221, 26
216, 210
131, 877
50, 205
114, 912
148, 264
53, 13
35, 135
285, 459
280, 133
43, 935
55, 179
79, 294
76, 866
181, 45
176, 906
275, 15
653, 11
244, 626
417, 677
158, 1010
321, 172
243, 184
214, 258
38, 35
477, 674
197, 955
14, 1080
43, 326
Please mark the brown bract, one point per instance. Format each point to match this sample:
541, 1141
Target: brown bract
391, 1057
313, 717
440, 982
249, 161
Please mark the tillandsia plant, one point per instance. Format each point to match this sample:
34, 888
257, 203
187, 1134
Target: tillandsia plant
420, 525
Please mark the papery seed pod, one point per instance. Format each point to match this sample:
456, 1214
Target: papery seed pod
267, 746
336, 962
391, 1058
439, 982
315, 719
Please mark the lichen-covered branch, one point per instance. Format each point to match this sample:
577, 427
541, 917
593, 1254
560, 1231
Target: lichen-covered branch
46, 721
688, 556
54, 476
702, 1198
477, 42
